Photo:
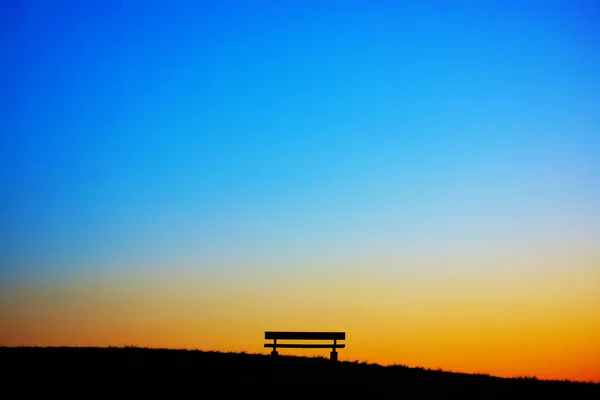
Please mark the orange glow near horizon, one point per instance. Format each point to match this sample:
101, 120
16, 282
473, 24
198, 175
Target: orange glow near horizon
517, 322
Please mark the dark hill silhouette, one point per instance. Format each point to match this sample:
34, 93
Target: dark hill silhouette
82, 371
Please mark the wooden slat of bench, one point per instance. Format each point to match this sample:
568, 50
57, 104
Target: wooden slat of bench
306, 346
306, 335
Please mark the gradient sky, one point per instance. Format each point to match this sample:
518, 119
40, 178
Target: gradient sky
424, 176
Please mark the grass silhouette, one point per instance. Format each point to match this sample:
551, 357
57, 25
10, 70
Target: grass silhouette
140, 371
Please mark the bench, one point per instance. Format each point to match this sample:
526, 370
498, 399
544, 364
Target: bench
335, 336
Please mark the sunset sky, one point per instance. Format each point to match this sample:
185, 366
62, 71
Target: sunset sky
424, 176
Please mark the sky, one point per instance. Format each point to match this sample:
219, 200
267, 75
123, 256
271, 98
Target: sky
424, 176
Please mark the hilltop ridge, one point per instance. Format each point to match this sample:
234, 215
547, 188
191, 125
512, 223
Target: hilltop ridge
146, 369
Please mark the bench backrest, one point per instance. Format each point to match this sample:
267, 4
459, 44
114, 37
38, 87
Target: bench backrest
306, 335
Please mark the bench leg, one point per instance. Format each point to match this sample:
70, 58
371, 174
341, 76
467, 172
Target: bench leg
333, 356
274, 352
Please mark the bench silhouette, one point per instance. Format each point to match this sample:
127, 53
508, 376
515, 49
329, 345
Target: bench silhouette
335, 336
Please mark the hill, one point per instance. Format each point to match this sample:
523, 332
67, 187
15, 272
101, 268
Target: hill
131, 370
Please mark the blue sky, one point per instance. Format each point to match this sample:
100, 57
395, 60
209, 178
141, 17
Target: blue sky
137, 131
